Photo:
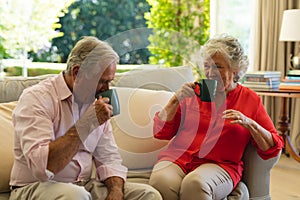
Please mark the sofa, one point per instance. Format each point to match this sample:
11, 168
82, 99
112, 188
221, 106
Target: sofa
142, 92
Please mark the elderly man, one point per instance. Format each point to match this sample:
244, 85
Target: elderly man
61, 131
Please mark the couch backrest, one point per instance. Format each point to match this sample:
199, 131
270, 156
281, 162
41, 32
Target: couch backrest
169, 79
12, 87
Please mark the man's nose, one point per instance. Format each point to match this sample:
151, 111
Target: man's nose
105, 86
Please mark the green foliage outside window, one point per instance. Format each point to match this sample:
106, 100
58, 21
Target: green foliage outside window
28, 25
103, 19
3, 53
180, 27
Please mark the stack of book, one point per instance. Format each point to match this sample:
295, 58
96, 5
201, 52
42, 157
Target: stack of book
291, 81
262, 80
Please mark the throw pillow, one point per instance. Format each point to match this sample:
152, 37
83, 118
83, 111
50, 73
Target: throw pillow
6, 144
132, 128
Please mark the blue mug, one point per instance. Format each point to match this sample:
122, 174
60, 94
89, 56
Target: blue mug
113, 99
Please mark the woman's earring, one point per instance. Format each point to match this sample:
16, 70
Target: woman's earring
236, 78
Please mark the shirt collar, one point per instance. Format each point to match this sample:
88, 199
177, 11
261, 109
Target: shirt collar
64, 92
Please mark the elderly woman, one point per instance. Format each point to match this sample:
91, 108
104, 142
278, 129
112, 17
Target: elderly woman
204, 157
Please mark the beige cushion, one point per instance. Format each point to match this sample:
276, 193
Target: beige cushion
12, 87
133, 126
6, 144
169, 79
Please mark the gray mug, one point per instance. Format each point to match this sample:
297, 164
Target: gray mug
113, 99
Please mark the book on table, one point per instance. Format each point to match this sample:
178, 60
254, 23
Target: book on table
294, 72
261, 87
290, 83
262, 80
291, 79
263, 74
266, 84
289, 86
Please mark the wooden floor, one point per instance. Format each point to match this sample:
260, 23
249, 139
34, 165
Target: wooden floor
285, 179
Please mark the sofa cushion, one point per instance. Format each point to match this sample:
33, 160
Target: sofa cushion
169, 79
12, 87
132, 128
6, 144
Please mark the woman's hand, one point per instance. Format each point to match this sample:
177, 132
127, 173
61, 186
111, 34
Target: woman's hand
237, 118
262, 137
186, 90
169, 111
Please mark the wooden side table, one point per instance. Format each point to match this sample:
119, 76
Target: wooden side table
283, 124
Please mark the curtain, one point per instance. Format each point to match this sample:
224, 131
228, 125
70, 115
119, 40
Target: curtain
271, 54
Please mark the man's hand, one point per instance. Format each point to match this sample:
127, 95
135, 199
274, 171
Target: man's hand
115, 187
115, 194
103, 109
96, 114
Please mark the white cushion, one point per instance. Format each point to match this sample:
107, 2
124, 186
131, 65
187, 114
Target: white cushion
133, 126
169, 79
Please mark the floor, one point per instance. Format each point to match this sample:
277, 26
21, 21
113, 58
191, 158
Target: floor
285, 179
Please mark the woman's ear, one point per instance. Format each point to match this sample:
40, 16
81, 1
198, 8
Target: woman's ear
236, 77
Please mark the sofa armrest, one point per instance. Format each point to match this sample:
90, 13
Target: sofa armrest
257, 173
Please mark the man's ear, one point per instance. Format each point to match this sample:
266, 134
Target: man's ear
75, 71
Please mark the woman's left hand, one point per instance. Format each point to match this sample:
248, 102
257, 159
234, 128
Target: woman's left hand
261, 136
237, 117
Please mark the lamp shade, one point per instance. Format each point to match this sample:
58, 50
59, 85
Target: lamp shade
290, 27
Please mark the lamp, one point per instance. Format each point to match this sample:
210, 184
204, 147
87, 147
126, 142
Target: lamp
290, 31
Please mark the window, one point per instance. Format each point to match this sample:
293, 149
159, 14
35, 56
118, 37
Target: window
234, 17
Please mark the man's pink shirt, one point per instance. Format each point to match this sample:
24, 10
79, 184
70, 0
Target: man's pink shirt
44, 113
